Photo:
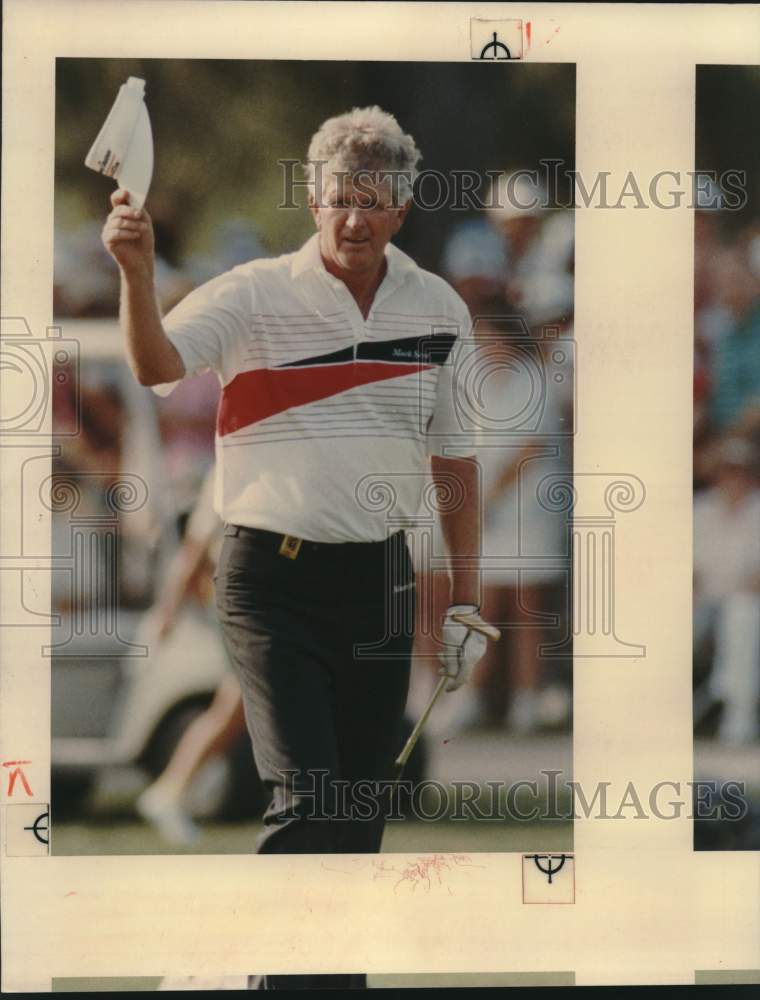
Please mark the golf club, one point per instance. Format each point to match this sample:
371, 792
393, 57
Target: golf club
472, 621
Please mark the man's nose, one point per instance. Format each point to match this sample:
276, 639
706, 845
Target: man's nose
355, 219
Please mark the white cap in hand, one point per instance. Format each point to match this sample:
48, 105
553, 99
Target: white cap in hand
124, 146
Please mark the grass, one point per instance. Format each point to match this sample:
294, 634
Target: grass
106, 836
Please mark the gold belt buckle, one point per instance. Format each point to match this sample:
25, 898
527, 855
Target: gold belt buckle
290, 546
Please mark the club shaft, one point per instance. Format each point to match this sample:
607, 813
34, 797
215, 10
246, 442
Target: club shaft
484, 629
405, 754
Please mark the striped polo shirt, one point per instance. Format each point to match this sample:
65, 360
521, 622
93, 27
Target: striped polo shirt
326, 420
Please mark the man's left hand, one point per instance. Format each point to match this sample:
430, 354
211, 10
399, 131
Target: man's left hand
464, 645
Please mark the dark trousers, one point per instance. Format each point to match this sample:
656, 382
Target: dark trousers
322, 647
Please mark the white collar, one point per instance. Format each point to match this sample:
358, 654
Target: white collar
308, 258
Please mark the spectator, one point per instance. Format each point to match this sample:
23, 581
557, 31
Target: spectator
727, 587
235, 242
736, 365
85, 283
533, 255
475, 263
215, 730
540, 242
519, 530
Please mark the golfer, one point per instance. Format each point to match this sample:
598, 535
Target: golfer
337, 405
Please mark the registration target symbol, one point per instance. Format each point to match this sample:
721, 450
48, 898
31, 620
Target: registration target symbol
548, 877
492, 49
496, 40
550, 860
27, 829
40, 827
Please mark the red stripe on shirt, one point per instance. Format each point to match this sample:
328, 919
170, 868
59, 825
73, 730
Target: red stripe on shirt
256, 395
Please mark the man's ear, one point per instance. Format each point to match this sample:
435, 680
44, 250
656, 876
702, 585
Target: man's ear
314, 209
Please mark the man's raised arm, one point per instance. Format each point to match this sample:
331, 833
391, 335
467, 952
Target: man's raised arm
128, 237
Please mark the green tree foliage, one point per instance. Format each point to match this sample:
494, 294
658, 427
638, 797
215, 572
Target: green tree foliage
220, 126
726, 129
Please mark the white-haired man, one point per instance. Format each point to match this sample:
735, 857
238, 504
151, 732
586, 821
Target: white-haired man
336, 370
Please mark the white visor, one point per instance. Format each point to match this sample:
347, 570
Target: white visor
124, 146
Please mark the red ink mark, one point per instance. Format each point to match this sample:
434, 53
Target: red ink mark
17, 772
528, 30
69, 894
424, 870
556, 30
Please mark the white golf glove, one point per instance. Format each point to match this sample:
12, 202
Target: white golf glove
463, 645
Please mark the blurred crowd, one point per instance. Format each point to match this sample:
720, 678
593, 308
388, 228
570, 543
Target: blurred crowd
169, 442
86, 286
514, 268
727, 475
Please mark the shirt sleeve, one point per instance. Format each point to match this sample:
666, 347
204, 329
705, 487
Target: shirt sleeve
450, 433
209, 326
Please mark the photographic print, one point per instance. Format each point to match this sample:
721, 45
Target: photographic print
150, 695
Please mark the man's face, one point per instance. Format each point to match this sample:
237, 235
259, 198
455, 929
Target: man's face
356, 223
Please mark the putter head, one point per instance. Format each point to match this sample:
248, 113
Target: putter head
124, 146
